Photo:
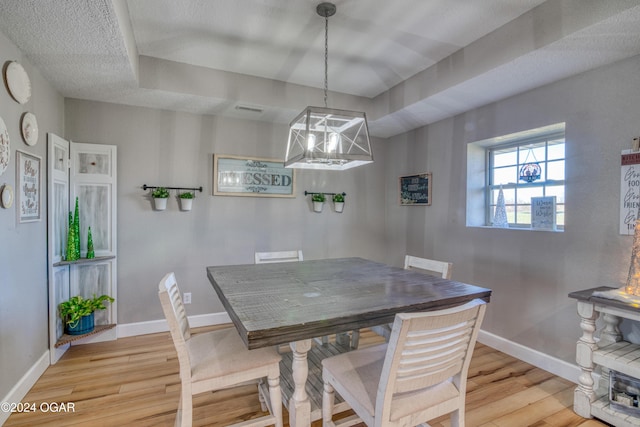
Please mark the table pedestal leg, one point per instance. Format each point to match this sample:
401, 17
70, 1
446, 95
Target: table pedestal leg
299, 405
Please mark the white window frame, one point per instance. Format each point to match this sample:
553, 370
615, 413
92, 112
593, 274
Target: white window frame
480, 204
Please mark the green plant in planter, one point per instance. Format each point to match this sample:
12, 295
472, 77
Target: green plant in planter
75, 308
160, 193
318, 197
187, 195
338, 198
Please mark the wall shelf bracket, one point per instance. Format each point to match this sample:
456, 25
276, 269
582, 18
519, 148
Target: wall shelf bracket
151, 187
309, 193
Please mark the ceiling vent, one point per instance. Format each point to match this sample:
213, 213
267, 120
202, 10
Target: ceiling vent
247, 109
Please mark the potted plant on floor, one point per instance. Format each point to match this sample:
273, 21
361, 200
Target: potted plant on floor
186, 201
318, 201
77, 313
338, 202
160, 196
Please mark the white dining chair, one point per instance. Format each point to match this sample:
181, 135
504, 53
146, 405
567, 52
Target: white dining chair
216, 360
441, 268
419, 375
281, 256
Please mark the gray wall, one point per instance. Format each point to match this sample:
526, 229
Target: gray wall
531, 273
176, 149
23, 247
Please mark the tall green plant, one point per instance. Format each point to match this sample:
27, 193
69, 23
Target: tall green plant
76, 229
71, 248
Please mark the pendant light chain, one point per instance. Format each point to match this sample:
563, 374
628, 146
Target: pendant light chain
326, 58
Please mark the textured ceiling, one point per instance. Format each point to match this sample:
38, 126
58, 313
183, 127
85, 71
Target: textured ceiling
406, 63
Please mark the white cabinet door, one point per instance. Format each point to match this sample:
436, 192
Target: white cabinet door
86, 172
57, 221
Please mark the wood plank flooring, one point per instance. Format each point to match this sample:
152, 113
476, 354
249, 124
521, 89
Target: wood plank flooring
134, 381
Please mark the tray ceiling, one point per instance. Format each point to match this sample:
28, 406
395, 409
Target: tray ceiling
405, 63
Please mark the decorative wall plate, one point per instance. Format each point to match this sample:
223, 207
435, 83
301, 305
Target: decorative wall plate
7, 196
5, 147
29, 127
18, 82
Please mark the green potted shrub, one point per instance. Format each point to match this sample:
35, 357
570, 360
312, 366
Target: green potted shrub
338, 202
77, 313
186, 200
160, 196
318, 201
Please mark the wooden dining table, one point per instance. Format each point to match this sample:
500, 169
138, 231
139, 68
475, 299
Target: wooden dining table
295, 302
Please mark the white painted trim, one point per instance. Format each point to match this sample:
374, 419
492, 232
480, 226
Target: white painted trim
22, 387
155, 326
536, 358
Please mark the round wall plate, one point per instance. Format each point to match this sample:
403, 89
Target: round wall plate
5, 147
18, 82
29, 128
7, 196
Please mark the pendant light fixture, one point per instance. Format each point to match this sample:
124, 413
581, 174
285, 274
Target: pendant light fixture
327, 138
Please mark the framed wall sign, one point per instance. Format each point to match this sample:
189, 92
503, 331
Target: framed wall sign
28, 187
543, 213
415, 190
253, 177
629, 190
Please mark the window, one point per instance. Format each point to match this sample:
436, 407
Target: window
507, 163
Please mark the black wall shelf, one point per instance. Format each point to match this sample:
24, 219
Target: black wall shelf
308, 193
151, 187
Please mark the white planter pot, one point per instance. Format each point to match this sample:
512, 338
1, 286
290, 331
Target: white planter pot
185, 204
338, 206
317, 206
160, 204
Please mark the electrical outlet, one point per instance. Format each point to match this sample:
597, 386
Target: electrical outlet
186, 298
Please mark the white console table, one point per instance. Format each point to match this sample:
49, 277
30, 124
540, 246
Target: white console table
608, 352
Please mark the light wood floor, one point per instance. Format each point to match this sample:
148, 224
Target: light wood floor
134, 382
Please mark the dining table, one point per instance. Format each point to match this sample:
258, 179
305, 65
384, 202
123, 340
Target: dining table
294, 302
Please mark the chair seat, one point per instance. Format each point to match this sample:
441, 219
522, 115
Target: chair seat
361, 370
222, 353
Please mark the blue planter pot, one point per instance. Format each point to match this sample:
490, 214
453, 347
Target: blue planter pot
84, 326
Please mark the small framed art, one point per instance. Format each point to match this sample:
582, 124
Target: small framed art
28, 187
415, 190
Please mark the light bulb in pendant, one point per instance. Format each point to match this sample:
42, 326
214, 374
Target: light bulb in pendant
334, 138
311, 142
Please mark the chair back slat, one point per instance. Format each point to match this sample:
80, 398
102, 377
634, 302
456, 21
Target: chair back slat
442, 268
281, 256
173, 308
428, 348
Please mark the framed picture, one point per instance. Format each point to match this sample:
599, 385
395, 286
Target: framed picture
415, 190
543, 213
28, 187
252, 177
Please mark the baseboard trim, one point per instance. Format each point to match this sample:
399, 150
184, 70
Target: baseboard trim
536, 358
155, 326
22, 387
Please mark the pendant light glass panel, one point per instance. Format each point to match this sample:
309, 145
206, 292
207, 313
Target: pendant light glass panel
325, 138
